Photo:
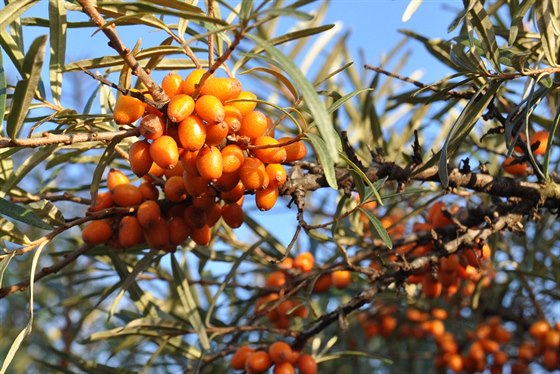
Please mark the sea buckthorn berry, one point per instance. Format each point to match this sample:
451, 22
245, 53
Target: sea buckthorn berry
306, 364
253, 174
157, 236
127, 195
152, 126
180, 107
128, 109
234, 194
188, 86
139, 158
196, 185
164, 152
150, 109
192, 133
102, 201
542, 138
232, 158
174, 189
341, 278
188, 160
130, 232
294, 151
210, 109
436, 216
155, 172
253, 125
323, 283
280, 351
116, 177
148, 213
240, 357
227, 181
539, 329
176, 171
258, 362
276, 279
201, 235
97, 232
233, 215
430, 286
266, 199
216, 133
222, 88
245, 102
209, 163
231, 111
284, 368
171, 84
213, 214
179, 231
276, 174
273, 155
304, 262
232, 118
515, 167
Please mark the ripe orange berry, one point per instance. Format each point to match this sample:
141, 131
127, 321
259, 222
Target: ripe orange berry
233, 215
232, 117
274, 155
234, 194
431, 287
127, 195
176, 171
130, 232
233, 157
97, 232
294, 151
128, 109
306, 364
304, 262
552, 339
253, 174
188, 86
201, 235
192, 133
455, 362
155, 172
210, 109
216, 133
180, 107
449, 264
196, 185
188, 160
240, 357
222, 88
258, 362
148, 213
436, 216
253, 125
139, 158
542, 138
194, 217
245, 102
209, 163
157, 236
213, 214
341, 278
227, 181
116, 177
551, 359
512, 166
323, 283
164, 152
266, 199
171, 84
284, 368
539, 329
152, 126
276, 279
280, 352
276, 174
179, 231
174, 189
102, 201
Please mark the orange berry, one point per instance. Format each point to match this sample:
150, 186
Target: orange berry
430, 286
227, 181
304, 262
280, 352
155, 172
276, 279
258, 362
274, 155
500, 358
201, 235
127, 195
276, 174
455, 362
234, 194
116, 177
216, 133
194, 217
188, 160
179, 231
265, 199
436, 216
206, 200
180, 107
539, 329
415, 315
240, 357
232, 118
102, 201
245, 102
341, 278
387, 325
253, 125
222, 88
128, 109
552, 339
148, 213
294, 151
210, 109
323, 283
209, 163
174, 189
551, 359
253, 174
213, 214
233, 157
164, 152
130, 232
439, 313
97, 232
139, 158
171, 84
157, 236
526, 351
306, 364
233, 215
192, 133
196, 185
152, 126
540, 137
284, 368
188, 86
449, 264
176, 171
512, 166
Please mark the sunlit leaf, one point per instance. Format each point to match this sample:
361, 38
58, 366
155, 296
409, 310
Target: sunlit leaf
57, 37
377, 228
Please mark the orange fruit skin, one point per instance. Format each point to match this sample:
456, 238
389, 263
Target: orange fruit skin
202, 235
436, 216
234, 194
253, 174
276, 174
128, 109
216, 133
274, 155
179, 231
266, 199
276, 279
155, 171
304, 262
174, 189
130, 232
294, 151
306, 364
152, 126
116, 177
164, 152
127, 195
192, 133
171, 84
209, 163
196, 185
258, 362
280, 352
245, 107
233, 157
233, 215
180, 107
157, 236
542, 138
148, 213
139, 158
341, 278
102, 201
323, 283
253, 125
213, 214
188, 86
222, 88
284, 368
430, 286
188, 160
97, 232
210, 109
232, 117
539, 329
240, 357
511, 166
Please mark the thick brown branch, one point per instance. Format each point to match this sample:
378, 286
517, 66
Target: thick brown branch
67, 139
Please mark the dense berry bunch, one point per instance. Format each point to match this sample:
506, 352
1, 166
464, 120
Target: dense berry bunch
279, 355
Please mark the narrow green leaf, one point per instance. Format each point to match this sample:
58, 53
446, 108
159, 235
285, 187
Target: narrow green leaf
363, 177
324, 158
25, 89
4, 263
548, 25
35, 159
246, 9
549, 147
485, 30
19, 213
282, 78
15, 54
12, 233
377, 228
517, 20
57, 18
13, 10
411, 8
311, 98
3, 92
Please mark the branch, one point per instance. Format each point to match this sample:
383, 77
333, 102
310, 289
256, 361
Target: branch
48, 138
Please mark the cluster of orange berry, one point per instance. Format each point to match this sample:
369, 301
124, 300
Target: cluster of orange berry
207, 151
279, 354
545, 346
518, 166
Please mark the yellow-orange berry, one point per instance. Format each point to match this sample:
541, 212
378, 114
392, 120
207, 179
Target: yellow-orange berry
306, 364
174, 189
179, 231
253, 125
216, 133
232, 158
192, 133
253, 174
227, 181
148, 213
276, 174
155, 172
265, 199
157, 236
116, 177
102, 201
542, 138
201, 235
213, 214
180, 107
164, 152
304, 262
280, 352
234, 194
210, 109
139, 158
284, 368
209, 163
130, 232
196, 185
152, 126
188, 160
233, 215
222, 88
258, 362
127, 195
341, 278
294, 151
128, 109
97, 232
240, 357
188, 86
273, 155
513, 166
177, 170
232, 117
171, 84
245, 102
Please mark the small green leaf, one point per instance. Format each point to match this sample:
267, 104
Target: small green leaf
3, 91
21, 214
377, 228
282, 78
10, 232
324, 158
485, 30
13, 10
57, 24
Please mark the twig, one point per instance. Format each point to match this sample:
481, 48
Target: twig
67, 139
